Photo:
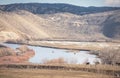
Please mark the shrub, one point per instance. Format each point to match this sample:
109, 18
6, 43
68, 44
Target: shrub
23, 48
6, 52
109, 56
55, 61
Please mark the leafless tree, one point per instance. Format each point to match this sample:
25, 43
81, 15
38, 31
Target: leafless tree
110, 56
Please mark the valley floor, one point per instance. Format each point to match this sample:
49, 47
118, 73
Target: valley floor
58, 71
90, 72
44, 73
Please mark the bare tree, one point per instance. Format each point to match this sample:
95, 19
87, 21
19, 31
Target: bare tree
110, 56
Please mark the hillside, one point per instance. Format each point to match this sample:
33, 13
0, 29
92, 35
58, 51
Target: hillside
47, 8
17, 25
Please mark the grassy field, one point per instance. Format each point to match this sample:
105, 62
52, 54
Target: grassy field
44, 73
58, 71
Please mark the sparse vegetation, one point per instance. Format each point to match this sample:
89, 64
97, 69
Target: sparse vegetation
18, 26
55, 61
101, 71
4, 51
39, 73
20, 55
109, 56
23, 48
90, 28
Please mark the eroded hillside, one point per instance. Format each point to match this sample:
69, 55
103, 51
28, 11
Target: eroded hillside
23, 25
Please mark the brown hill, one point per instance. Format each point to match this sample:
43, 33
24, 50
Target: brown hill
23, 25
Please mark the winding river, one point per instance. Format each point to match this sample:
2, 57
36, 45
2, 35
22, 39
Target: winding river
44, 53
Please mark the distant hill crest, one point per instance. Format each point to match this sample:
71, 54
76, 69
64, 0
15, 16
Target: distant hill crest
47, 8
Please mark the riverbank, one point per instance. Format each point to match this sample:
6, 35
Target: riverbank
53, 55
71, 45
75, 45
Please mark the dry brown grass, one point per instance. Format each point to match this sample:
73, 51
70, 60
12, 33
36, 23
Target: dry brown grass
55, 61
5, 51
76, 45
101, 71
22, 25
20, 55
40, 73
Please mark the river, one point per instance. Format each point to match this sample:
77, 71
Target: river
45, 53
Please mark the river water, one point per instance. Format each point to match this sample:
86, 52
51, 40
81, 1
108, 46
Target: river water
44, 53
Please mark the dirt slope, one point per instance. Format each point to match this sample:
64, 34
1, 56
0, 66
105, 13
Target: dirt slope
23, 25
